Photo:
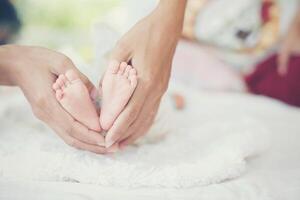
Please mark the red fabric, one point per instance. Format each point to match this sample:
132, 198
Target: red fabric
265, 80
265, 11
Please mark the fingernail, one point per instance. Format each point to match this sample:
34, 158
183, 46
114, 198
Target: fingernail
113, 149
109, 143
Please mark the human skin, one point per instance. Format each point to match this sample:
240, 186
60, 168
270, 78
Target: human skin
34, 70
149, 46
290, 45
118, 85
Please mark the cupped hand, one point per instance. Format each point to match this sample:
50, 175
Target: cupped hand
34, 70
149, 46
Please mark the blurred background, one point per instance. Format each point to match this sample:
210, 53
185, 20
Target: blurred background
224, 42
56, 24
85, 30
228, 53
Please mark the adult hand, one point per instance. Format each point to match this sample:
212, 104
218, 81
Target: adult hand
290, 45
34, 70
149, 46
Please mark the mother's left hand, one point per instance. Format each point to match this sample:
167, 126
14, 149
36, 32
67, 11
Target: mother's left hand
290, 45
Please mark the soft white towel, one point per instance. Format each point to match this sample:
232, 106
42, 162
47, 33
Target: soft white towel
207, 142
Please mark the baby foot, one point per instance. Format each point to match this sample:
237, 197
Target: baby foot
118, 85
74, 97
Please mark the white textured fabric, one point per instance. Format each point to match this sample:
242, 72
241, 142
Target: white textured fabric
207, 142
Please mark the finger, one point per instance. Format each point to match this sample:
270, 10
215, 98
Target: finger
90, 86
282, 65
63, 65
85, 135
145, 117
68, 126
126, 118
140, 126
66, 64
129, 140
139, 132
283, 59
84, 146
74, 142
113, 148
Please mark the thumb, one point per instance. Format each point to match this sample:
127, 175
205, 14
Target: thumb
67, 64
282, 61
120, 53
90, 86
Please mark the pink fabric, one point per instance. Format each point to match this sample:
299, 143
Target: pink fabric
199, 67
265, 80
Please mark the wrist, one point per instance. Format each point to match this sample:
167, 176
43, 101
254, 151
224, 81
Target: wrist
8, 67
178, 5
171, 14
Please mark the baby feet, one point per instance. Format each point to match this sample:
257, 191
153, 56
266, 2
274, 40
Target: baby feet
74, 97
118, 85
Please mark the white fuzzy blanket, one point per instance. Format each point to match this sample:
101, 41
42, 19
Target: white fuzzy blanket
207, 142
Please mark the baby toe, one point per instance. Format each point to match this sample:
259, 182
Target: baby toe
59, 94
66, 80
55, 86
127, 70
122, 68
133, 80
61, 81
132, 72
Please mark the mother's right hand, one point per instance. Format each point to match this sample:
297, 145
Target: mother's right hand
34, 70
290, 45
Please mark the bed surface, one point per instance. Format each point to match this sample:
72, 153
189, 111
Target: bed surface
273, 175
